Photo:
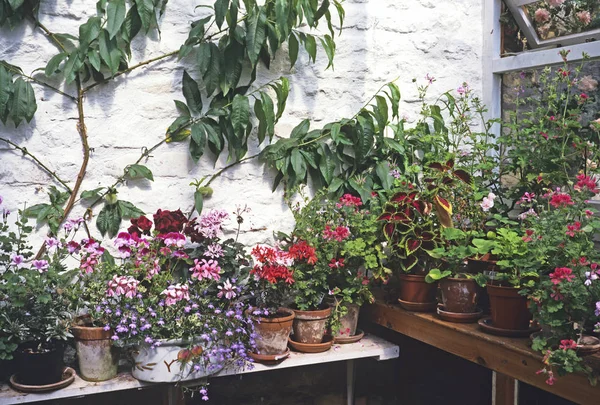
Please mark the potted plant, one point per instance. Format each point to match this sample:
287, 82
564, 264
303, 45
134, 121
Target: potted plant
346, 239
460, 289
566, 299
506, 288
412, 233
270, 285
35, 309
177, 298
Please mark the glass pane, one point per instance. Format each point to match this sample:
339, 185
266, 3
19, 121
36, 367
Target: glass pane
556, 18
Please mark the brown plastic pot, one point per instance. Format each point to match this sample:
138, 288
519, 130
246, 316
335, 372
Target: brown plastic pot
414, 288
349, 321
272, 333
97, 357
508, 308
459, 295
39, 367
309, 326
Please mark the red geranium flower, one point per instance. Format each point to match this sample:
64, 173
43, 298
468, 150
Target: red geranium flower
561, 200
561, 273
567, 344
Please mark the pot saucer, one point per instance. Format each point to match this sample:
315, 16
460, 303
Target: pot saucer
591, 345
349, 339
418, 306
458, 317
486, 325
67, 378
312, 347
270, 358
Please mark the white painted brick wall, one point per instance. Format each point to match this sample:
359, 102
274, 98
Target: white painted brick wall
382, 40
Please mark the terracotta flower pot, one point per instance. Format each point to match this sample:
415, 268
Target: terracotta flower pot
349, 321
39, 367
310, 326
272, 333
414, 288
459, 295
508, 308
97, 357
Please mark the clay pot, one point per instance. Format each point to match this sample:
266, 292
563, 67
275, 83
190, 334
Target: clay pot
459, 295
39, 367
414, 288
310, 326
97, 357
508, 308
272, 333
588, 345
349, 321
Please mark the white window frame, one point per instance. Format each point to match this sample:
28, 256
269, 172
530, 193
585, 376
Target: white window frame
494, 65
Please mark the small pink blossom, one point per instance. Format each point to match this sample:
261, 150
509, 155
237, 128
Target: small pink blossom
175, 293
122, 285
206, 269
584, 17
541, 15
488, 202
227, 290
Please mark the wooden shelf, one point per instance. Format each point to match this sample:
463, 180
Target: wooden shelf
511, 357
368, 347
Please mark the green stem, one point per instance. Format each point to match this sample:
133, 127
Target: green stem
217, 174
39, 163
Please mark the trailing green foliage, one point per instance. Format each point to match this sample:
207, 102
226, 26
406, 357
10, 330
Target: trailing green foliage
13, 12
349, 155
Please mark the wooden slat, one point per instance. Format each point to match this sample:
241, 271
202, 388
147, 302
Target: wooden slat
508, 356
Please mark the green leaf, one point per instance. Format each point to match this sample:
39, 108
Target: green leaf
53, 64
88, 194
394, 98
269, 110
198, 202
137, 171
198, 141
132, 24
108, 258
94, 58
383, 172
183, 108
108, 220
34, 210
329, 47
326, 164
109, 52
176, 128
240, 114
89, 31
191, 92
282, 12
300, 130
6, 87
364, 143
146, 12
221, 7
212, 75
255, 33
128, 210
72, 66
262, 120
23, 102
381, 113
115, 15
282, 90
293, 49
298, 164
310, 44
15, 4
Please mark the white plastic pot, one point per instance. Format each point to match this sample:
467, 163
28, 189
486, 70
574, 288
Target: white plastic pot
160, 364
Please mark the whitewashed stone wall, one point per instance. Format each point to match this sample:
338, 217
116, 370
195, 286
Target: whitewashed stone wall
382, 40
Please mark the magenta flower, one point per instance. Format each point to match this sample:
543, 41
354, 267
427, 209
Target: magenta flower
17, 260
40, 265
89, 263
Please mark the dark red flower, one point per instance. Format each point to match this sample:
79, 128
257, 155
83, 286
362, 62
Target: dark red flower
567, 344
169, 221
561, 273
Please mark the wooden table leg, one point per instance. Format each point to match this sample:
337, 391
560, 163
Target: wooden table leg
504, 390
350, 382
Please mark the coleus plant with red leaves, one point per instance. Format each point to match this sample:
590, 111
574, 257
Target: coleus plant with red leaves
411, 229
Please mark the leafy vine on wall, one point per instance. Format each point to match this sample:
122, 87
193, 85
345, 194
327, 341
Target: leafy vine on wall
225, 46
